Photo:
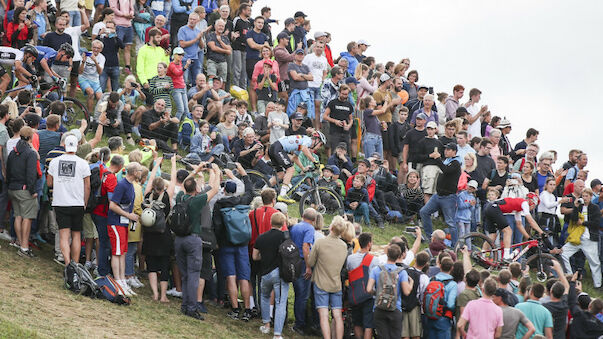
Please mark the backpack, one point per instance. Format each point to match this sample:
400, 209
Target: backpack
110, 290
157, 206
72, 280
387, 289
79, 280
358, 278
290, 264
96, 182
434, 305
237, 223
409, 302
178, 219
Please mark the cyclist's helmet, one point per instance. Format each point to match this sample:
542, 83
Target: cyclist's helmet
31, 50
65, 47
533, 199
317, 135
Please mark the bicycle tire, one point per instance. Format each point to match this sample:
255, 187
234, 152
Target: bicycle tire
80, 111
479, 257
43, 103
546, 266
309, 197
258, 180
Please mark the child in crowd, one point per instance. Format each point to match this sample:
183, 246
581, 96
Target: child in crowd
227, 128
357, 200
465, 206
242, 114
278, 122
412, 194
267, 88
204, 145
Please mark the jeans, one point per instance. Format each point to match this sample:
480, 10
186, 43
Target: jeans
179, 95
517, 236
301, 288
272, 281
372, 143
104, 248
448, 206
361, 213
438, 329
131, 258
75, 18
464, 229
216, 150
110, 72
239, 73
590, 250
190, 74
189, 255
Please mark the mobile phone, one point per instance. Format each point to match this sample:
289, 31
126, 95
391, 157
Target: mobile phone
88, 53
410, 229
168, 156
579, 273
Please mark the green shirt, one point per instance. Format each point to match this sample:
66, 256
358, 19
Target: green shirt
538, 315
464, 298
195, 206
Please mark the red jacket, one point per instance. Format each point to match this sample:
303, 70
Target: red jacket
260, 222
370, 187
16, 38
329, 55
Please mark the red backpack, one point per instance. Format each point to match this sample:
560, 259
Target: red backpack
434, 303
358, 278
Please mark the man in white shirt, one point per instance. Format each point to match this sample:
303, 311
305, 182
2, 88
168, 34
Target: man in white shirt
318, 65
75, 32
69, 176
475, 112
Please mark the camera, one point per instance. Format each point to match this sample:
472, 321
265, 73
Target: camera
168, 156
580, 201
112, 116
410, 229
231, 165
28, 17
378, 162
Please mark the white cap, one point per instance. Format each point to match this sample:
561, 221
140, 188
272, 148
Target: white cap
77, 134
363, 42
319, 34
431, 124
472, 183
71, 144
384, 77
281, 207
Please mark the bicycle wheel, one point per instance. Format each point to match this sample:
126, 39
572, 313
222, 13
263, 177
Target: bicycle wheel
43, 103
258, 180
482, 250
542, 263
74, 110
322, 199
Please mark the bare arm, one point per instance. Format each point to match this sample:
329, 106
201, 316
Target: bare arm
548, 332
255, 255
461, 327
98, 136
370, 286
174, 171
498, 332
531, 330
416, 246
86, 190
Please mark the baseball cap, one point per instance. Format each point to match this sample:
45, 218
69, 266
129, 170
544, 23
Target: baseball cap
282, 35
342, 145
71, 143
289, 21
472, 183
181, 175
595, 182
302, 105
504, 123
334, 169
366, 162
452, 146
77, 134
299, 14
384, 77
178, 50
299, 51
422, 86
421, 116
351, 80
297, 116
363, 42
319, 34
230, 187
432, 124
281, 207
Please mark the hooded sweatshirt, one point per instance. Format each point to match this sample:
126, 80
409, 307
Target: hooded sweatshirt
22, 168
448, 180
584, 324
559, 311
352, 61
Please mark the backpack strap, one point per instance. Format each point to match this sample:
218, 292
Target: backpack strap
366, 260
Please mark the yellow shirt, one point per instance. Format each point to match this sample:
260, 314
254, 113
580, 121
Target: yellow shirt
136, 235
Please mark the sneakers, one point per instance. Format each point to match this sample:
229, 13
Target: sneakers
172, 292
285, 199
27, 253
134, 283
246, 315
234, 313
38, 238
89, 265
127, 290
14, 243
380, 224
130, 141
140, 284
59, 259
193, 314
5, 236
201, 308
264, 329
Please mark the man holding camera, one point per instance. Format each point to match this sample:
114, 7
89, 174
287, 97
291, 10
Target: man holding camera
90, 70
108, 112
158, 124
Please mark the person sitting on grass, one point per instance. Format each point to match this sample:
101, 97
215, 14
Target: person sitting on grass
356, 200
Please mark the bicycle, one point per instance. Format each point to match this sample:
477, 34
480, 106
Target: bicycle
491, 256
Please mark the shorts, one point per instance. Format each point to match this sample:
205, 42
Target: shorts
280, 159
354, 129
24, 205
429, 178
362, 315
69, 217
90, 231
234, 260
315, 91
75, 69
159, 264
337, 137
125, 34
411, 323
215, 68
89, 4
494, 219
118, 236
283, 86
324, 299
206, 269
85, 84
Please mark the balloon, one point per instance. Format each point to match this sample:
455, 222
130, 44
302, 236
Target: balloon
404, 96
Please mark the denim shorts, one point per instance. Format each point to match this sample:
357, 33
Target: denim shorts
125, 34
85, 84
315, 93
324, 299
235, 261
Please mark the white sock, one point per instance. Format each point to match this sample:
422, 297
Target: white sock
24, 249
271, 310
284, 190
507, 252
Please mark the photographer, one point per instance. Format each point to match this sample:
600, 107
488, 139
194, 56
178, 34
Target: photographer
25, 105
158, 124
248, 151
19, 31
90, 70
108, 112
131, 95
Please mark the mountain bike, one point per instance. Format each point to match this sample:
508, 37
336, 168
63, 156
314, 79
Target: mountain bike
484, 253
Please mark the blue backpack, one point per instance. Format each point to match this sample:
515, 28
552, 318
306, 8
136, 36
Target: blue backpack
111, 290
237, 224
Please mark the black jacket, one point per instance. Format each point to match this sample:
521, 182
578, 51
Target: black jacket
449, 179
230, 201
584, 324
22, 168
426, 147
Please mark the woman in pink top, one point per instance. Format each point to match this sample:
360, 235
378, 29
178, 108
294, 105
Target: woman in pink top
258, 69
176, 72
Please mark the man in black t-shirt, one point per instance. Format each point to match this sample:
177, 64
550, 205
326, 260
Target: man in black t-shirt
265, 250
339, 114
410, 148
485, 163
157, 124
241, 26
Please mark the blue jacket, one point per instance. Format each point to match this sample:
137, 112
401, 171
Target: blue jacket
352, 61
464, 210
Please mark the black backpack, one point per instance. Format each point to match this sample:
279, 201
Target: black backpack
178, 219
290, 264
157, 206
96, 181
409, 302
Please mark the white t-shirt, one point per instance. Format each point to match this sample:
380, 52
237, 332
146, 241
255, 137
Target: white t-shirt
585, 234
475, 129
277, 132
410, 256
69, 5
90, 71
317, 65
11, 143
68, 172
97, 27
75, 33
